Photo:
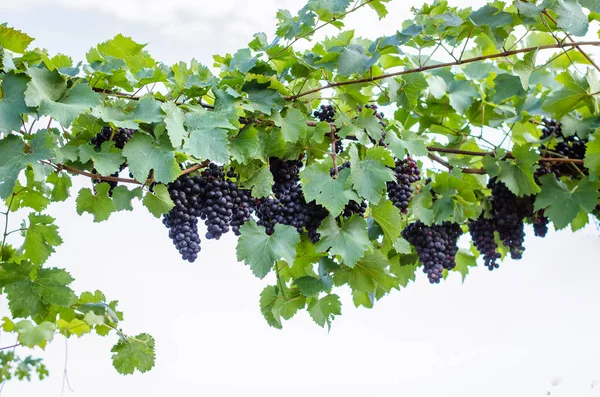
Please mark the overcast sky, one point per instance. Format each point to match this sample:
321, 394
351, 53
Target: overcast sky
511, 332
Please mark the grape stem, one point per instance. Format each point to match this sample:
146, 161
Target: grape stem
98, 177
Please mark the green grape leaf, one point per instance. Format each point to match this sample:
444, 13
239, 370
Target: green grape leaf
571, 17
461, 94
260, 251
517, 175
30, 290
388, 217
12, 104
260, 182
524, 68
99, 204
592, 156
507, 86
134, 353
287, 307
14, 157
208, 136
370, 273
464, 260
62, 183
369, 175
268, 297
107, 161
324, 310
409, 144
158, 202
368, 122
245, 145
331, 193
421, 205
329, 6
490, 16
143, 155
350, 241
562, 204
125, 49
293, 125
407, 95
32, 335
122, 197
353, 59
174, 121
13, 39
311, 286
261, 98
73, 327
40, 238
48, 91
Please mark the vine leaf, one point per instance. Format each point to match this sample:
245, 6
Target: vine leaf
158, 202
40, 238
370, 274
62, 183
293, 125
517, 175
561, 101
13, 158
571, 17
349, 241
143, 156
13, 39
324, 310
261, 182
267, 300
99, 204
260, 251
287, 306
409, 143
333, 194
122, 197
208, 135
134, 353
32, 335
369, 176
48, 91
312, 286
174, 122
464, 260
461, 95
12, 104
388, 217
107, 161
592, 156
244, 146
30, 290
562, 204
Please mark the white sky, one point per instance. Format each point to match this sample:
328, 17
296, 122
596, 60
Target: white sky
511, 332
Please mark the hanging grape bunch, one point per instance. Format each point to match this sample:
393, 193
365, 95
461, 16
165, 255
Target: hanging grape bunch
288, 206
436, 246
507, 218
482, 234
400, 191
326, 113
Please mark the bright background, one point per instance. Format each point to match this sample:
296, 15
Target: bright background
526, 329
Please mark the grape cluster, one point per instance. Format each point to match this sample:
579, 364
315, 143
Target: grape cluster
182, 220
217, 200
569, 146
482, 234
399, 191
288, 206
223, 205
508, 218
326, 113
436, 246
352, 207
120, 136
